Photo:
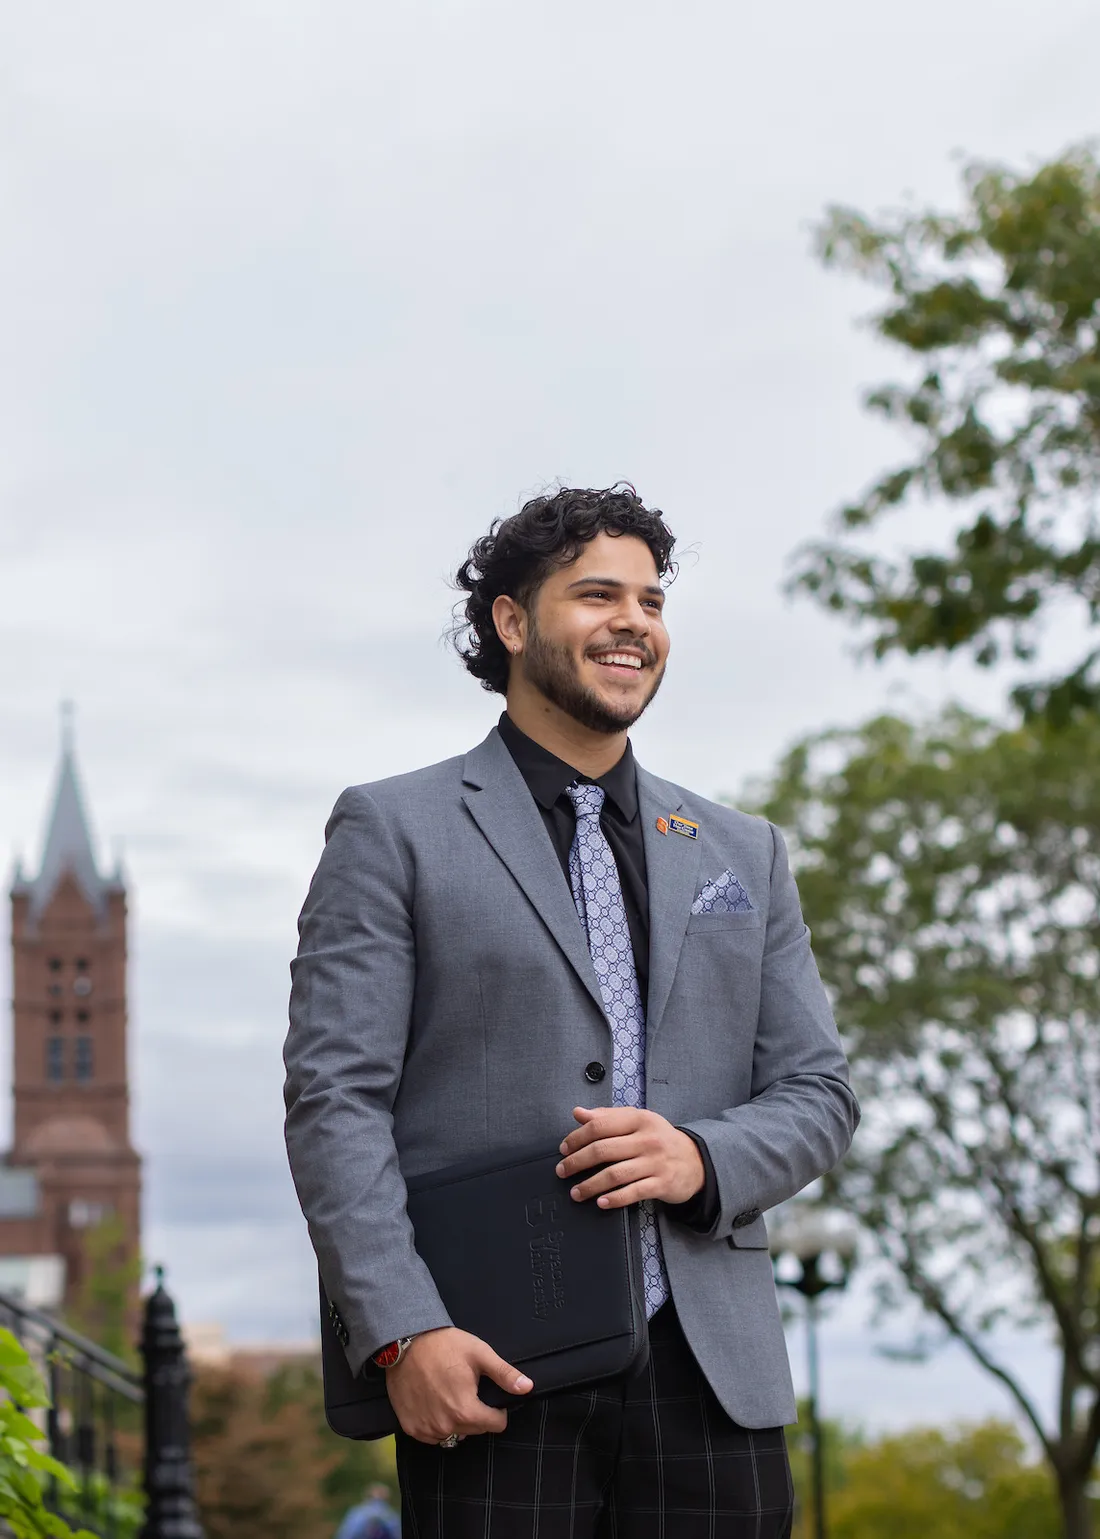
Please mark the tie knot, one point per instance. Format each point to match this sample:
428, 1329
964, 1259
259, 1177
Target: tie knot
587, 800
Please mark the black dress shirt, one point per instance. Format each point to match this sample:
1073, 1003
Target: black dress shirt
547, 778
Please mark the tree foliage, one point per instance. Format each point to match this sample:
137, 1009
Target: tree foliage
968, 1482
266, 1464
24, 1468
259, 1467
951, 876
106, 1306
998, 307
350, 1467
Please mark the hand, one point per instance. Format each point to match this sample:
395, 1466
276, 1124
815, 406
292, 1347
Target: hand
433, 1389
646, 1157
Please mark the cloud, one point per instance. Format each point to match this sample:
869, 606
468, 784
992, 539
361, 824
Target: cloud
296, 301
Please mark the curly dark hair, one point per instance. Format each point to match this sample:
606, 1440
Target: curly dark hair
519, 554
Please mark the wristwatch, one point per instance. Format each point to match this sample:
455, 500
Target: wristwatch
389, 1357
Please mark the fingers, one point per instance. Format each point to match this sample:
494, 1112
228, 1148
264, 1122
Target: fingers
502, 1373
434, 1392
607, 1147
611, 1177
603, 1122
608, 1151
467, 1421
646, 1190
480, 1418
641, 1154
472, 1415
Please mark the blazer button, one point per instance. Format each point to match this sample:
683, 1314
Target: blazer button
594, 1072
743, 1220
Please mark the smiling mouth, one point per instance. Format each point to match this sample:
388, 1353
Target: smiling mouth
625, 664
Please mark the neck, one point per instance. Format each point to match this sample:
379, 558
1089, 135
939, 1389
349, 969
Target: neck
592, 753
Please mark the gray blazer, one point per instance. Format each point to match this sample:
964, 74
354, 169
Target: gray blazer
444, 1005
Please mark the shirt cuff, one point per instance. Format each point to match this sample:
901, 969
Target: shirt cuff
701, 1211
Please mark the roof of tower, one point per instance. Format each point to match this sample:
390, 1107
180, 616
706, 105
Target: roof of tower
68, 849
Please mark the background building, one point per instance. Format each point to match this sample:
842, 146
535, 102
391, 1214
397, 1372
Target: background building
71, 1168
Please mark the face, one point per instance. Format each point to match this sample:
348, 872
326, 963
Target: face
596, 644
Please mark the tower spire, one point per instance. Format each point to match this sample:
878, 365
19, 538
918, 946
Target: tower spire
68, 850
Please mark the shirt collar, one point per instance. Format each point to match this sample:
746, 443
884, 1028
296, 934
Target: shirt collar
547, 776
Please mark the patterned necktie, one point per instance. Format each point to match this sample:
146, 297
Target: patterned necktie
598, 895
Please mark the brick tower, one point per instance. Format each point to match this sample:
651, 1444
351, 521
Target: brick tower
71, 1165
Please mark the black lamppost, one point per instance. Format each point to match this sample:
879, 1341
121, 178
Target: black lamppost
813, 1251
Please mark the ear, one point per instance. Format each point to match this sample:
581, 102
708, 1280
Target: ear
511, 623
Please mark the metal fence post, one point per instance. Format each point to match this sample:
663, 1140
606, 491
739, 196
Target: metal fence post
169, 1486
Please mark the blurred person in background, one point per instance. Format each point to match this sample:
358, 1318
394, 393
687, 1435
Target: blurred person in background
372, 1518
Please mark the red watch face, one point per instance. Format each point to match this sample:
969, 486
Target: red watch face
388, 1355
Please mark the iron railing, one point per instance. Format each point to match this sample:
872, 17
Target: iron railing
119, 1430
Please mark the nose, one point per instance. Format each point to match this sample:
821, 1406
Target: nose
631, 617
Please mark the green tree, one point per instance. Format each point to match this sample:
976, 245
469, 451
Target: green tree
260, 1460
350, 1466
968, 1481
106, 1305
24, 1468
998, 308
951, 875
963, 1483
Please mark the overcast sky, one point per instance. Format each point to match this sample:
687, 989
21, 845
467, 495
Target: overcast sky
296, 298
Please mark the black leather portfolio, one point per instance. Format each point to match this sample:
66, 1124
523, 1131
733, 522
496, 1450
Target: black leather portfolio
553, 1285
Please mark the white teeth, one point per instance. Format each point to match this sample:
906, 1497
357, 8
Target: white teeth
624, 659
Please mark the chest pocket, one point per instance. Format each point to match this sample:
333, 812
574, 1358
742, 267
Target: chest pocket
716, 921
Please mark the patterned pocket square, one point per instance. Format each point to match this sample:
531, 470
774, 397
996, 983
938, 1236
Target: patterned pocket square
723, 895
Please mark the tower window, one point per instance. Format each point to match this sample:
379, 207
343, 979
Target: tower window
55, 964
55, 990
82, 986
83, 1016
55, 1017
85, 1215
55, 1058
84, 1062
82, 964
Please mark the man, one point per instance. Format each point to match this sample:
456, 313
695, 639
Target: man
541, 941
372, 1518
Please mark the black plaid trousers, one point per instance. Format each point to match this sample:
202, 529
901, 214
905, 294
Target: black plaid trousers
653, 1458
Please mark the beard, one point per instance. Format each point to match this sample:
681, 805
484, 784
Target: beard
549, 666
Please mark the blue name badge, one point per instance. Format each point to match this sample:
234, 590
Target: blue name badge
683, 826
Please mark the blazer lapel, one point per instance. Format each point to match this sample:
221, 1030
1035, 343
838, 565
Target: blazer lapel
505, 811
672, 868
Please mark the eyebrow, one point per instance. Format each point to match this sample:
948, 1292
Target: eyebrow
612, 582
